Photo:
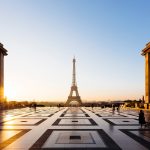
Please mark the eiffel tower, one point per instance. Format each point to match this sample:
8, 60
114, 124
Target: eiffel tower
74, 88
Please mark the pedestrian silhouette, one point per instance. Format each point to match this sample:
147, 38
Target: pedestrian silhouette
92, 106
34, 106
141, 118
113, 109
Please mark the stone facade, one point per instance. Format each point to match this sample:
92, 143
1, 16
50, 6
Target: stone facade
3, 52
146, 53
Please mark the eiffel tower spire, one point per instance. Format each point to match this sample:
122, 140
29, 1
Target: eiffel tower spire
74, 87
74, 73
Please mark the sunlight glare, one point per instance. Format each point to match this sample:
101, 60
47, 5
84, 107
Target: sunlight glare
10, 92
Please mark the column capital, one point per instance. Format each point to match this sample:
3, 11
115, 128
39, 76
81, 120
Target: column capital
146, 49
3, 50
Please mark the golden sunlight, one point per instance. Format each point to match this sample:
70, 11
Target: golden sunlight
10, 92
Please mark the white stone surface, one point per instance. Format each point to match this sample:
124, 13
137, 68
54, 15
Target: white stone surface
74, 115
39, 115
5, 135
22, 121
59, 138
124, 121
75, 121
28, 139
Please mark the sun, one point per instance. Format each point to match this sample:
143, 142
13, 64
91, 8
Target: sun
10, 92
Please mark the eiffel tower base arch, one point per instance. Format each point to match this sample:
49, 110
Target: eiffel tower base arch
73, 98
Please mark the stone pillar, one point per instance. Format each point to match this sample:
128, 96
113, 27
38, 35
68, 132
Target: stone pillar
146, 53
3, 52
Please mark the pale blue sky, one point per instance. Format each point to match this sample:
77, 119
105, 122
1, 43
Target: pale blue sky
106, 36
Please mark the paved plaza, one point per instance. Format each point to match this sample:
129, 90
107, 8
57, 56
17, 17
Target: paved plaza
51, 128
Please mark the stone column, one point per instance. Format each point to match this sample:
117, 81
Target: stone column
146, 53
3, 52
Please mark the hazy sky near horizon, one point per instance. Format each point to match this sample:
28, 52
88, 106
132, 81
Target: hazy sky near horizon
106, 37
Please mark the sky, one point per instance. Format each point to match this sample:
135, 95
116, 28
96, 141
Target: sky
105, 36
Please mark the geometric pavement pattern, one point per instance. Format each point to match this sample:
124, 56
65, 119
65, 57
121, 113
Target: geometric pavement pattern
74, 128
